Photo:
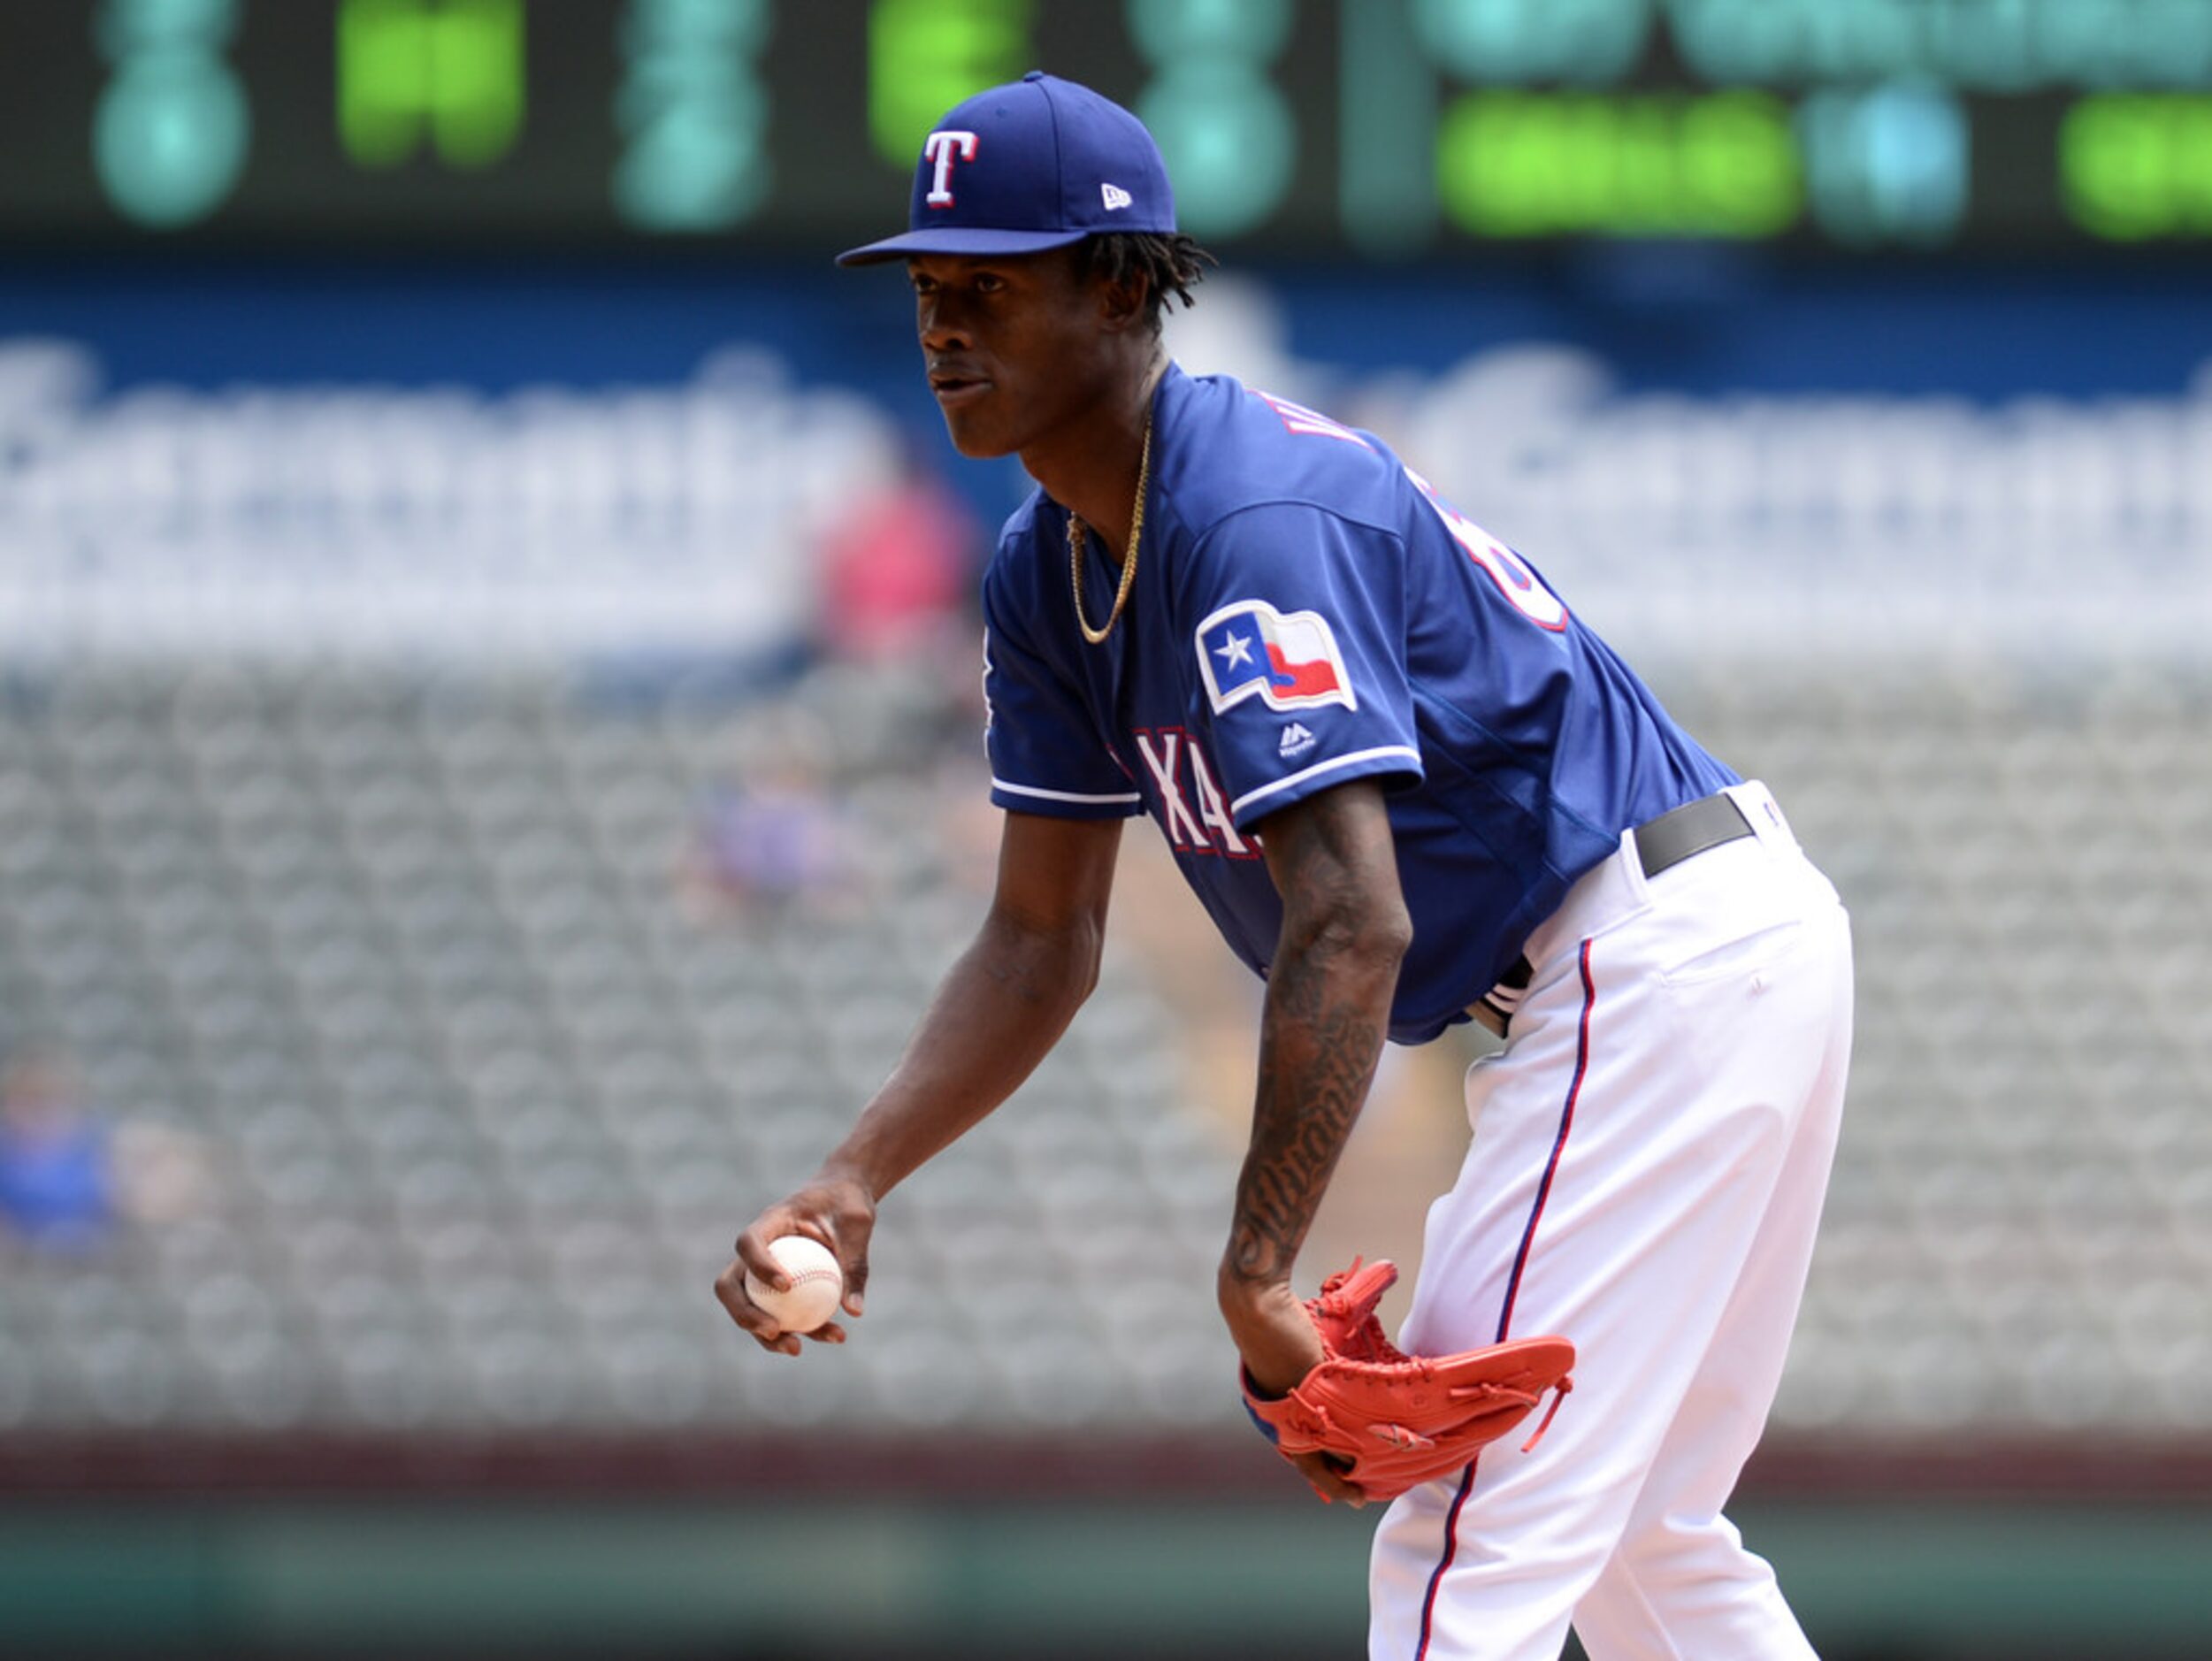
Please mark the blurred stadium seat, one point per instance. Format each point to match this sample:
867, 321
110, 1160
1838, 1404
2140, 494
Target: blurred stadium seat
484, 1102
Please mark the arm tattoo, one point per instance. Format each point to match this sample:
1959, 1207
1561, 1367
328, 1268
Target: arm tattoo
1328, 1007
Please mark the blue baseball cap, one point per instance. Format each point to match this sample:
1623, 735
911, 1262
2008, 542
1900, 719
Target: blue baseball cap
1037, 164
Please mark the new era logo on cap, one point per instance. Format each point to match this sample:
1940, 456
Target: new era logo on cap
1040, 163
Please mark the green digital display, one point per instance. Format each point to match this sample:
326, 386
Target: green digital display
2138, 165
1387, 128
1715, 165
454, 76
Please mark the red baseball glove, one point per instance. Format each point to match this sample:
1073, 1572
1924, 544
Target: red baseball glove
1399, 1421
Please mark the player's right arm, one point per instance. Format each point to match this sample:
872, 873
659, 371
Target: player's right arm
1000, 1009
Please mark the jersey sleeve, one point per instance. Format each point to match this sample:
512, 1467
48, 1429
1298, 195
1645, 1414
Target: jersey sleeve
1296, 619
1047, 756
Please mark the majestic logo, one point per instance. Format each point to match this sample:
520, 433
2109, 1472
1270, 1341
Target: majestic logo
1297, 741
1250, 649
942, 148
1115, 196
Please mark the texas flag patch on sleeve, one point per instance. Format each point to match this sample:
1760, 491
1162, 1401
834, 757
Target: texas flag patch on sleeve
1287, 660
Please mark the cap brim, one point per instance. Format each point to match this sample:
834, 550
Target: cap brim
956, 240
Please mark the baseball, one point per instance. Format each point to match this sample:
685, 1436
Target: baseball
816, 1284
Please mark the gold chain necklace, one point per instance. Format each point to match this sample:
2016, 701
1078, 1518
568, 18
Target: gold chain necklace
1097, 636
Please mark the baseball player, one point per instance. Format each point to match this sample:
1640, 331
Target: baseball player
1412, 788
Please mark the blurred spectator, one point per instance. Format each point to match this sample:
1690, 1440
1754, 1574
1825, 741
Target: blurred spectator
769, 839
57, 1183
899, 571
69, 1174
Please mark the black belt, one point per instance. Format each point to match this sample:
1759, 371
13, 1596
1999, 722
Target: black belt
1665, 843
1690, 829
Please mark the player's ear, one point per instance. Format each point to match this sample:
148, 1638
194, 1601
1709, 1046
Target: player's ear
1122, 301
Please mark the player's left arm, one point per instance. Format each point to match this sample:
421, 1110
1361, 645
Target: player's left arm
1345, 929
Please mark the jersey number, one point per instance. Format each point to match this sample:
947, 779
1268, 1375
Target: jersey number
1512, 574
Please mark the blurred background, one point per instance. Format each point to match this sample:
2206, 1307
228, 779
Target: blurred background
489, 772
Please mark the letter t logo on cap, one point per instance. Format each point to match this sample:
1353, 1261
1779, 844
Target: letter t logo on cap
941, 149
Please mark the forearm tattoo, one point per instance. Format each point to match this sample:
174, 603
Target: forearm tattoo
1328, 1007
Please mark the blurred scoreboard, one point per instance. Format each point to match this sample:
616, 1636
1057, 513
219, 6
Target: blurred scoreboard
1378, 128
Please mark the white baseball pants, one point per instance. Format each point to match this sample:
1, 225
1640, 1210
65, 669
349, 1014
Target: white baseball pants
1650, 1152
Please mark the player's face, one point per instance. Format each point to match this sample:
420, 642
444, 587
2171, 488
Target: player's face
1015, 348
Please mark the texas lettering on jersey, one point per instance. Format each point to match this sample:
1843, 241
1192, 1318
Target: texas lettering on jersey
1197, 820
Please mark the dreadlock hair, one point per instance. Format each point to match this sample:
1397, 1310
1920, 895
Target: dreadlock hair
1169, 263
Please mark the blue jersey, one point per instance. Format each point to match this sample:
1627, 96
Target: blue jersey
1306, 611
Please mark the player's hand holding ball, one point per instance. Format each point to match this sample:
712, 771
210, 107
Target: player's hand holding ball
814, 1285
798, 1264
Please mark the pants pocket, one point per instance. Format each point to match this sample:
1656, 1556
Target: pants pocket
1738, 956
